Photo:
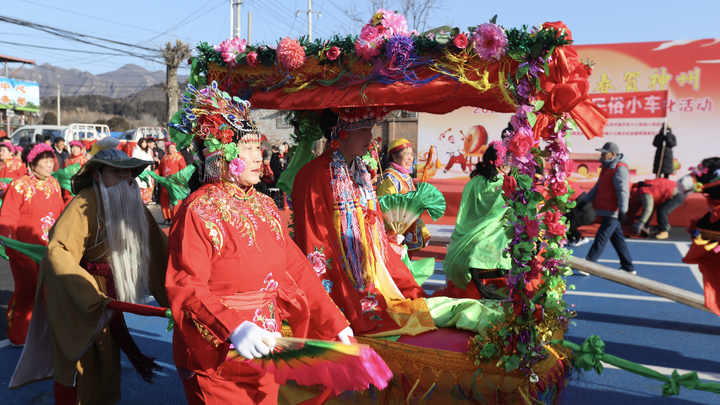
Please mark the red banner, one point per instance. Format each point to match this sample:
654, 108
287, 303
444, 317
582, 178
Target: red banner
646, 104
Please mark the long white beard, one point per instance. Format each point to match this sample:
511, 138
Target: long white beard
127, 233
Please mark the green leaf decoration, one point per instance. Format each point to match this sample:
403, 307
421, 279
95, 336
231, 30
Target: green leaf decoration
532, 119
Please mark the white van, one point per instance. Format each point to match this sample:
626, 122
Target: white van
86, 133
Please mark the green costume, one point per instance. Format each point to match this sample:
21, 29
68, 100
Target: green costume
479, 237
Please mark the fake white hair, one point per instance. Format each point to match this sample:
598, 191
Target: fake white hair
127, 234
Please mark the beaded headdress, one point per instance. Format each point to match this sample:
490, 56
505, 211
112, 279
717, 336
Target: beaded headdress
213, 122
351, 119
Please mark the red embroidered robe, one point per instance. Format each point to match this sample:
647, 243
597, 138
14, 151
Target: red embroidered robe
169, 165
315, 234
11, 169
30, 208
231, 260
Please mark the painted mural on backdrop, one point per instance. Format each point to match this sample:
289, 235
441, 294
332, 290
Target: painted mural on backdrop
460, 138
19, 95
638, 84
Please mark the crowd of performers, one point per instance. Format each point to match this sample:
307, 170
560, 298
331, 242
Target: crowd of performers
228, 270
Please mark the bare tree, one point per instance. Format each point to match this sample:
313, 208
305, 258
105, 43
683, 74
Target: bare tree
174, 56
417, 12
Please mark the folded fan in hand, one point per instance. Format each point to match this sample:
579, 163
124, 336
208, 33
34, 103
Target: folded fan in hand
400, 211
337, 366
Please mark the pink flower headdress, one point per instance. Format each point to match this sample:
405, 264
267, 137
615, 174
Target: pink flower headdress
37, 150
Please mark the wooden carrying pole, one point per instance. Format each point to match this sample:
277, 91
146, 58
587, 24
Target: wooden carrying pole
643, 284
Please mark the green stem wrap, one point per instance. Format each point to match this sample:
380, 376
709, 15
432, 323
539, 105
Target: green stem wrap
308, 132
591, 353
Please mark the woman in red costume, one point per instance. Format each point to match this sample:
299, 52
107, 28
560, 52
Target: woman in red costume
170, 164
234, 274
705, 250
77, 155
10, 166
32, 204
339, 226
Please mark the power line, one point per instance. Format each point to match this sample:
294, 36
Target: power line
193, 15
61, 49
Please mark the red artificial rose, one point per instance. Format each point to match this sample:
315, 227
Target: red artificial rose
532, 227
461, 41
538, 315
521, 144
226, 136
333, 53
551, 217
553, 224
509, 185
252, 59
559, 188
380, 29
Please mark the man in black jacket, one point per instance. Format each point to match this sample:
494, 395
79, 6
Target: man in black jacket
61, 151
664, 168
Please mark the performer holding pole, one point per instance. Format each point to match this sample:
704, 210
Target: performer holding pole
105, 246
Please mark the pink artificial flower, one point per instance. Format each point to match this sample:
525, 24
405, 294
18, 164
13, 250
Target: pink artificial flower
368, 304
490, 41
368, 44
559, 188
237, 167
521, 144
333, 53
252, 59
290, 54
460, 40
258, 315
231, 48
395, 24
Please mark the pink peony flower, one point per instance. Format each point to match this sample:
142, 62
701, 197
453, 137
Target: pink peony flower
318, 261
237, 167
290, 54
521, 144
231, 48
490, 41
333, 53
252, 59
394, 23
270, 325
258, 315
368, 45
368, 304
461, 41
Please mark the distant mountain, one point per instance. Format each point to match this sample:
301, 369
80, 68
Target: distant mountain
122, 82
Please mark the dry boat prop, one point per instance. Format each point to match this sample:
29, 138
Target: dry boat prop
533, 73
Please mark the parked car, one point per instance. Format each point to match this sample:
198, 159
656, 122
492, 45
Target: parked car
88, 134
129, 139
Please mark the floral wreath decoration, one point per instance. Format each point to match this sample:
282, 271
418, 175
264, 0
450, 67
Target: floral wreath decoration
213, 122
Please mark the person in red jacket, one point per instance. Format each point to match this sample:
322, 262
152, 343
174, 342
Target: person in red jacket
10, 166
77, 155
31, 206
170, 164
610, 197
662, 195
234, 274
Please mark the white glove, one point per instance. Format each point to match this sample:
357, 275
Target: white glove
409, 237
252, 341
345, 334
399, 238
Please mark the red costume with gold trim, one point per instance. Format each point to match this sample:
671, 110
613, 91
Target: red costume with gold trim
231, 260
81, 158
315, 234
12, 168
30, 208
169, 165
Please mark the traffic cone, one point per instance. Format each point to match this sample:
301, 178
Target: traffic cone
285, 204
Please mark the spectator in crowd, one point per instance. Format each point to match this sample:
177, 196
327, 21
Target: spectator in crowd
277, 162
664, 142
143, 152
267, 173
582, 214
61, 151
158, 155
663, 196
610, 197
47, 139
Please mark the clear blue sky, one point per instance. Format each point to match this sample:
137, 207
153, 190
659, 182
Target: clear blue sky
151, 23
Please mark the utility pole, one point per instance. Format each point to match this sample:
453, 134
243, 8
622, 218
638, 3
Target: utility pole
249, 27
58, 104
309, 12
235, 18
